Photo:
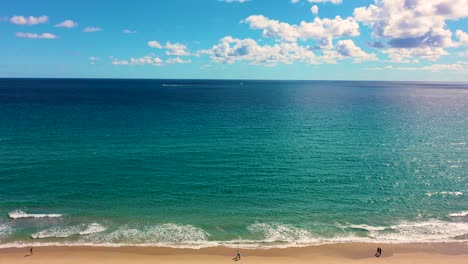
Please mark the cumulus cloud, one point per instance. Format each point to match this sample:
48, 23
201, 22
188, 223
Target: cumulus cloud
413, 27
154, 44
128, 31
172, 49
36, 36
176, 49
149, 60
92, 60
314, 9
177, 60
459, 67
67, 24
319, 28
348, 49
231, 50
31, 20
146, 60
462, 37
91, 29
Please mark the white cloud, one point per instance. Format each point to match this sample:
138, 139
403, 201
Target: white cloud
176, 49
92, 60
146, 60
91, 29
314, 9
172, 49
319, 28
414, 27
149, 60
459, 67
177, 60
67, 24
128, 31
405, 55
36, 36
231, 50
326, 1
21, 20
154, 44
463, 38
295, 1
348, 49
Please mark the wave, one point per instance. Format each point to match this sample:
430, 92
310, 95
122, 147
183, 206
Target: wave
17, 214
5, 230
63, 232
445, 194
176, 85
461, 214
261, 235
163, 233
275, 232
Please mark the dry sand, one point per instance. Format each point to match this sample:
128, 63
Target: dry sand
453, 253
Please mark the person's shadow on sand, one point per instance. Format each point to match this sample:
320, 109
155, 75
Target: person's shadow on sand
30, 253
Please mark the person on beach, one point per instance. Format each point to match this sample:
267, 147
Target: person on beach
30, 253
379, 252
238, 256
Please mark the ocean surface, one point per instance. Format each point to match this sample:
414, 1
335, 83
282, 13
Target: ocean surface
197, 163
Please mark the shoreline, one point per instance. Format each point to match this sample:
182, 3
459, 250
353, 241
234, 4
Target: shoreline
426, 253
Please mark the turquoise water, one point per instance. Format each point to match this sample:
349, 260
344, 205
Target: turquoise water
251, 163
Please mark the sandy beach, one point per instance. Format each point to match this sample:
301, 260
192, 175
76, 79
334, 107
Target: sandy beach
340, 253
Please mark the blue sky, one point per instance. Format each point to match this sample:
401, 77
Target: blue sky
236, 39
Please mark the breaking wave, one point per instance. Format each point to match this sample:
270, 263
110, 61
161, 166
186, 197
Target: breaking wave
461, 214
445, 194
63, 232
258, 235
17, 214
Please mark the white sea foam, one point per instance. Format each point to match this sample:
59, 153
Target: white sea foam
5, 230
93, 228
63, 232
270, 235
162, 233
445, 194
368, 227
176, 85
276, 232
17, 214
461, 214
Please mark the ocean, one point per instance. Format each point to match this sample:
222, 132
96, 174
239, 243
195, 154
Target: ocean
199, 163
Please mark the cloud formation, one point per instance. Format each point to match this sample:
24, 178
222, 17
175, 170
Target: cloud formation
36, 36
413, 27
314, 9
172, 49
230, 50
67, 24
128, 31
91, 29
319, 28
29, 21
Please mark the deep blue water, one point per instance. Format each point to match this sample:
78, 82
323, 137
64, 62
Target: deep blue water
198, 163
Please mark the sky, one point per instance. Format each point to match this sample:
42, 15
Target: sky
419, 40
